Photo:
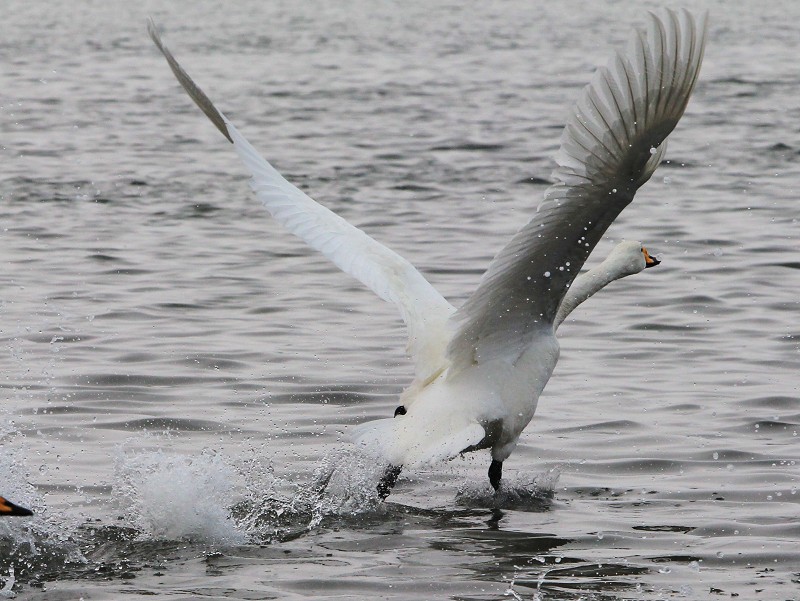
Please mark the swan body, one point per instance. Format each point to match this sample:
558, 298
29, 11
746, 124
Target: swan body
490, 404
487, 406
480, 368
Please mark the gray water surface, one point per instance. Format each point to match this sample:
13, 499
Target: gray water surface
178, 372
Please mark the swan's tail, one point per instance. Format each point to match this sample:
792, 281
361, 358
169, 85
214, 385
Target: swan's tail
406, 441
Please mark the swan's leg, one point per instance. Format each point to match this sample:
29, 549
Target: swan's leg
388, 480
495, 473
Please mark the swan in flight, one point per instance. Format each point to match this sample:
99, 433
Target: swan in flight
10, 509
479, 369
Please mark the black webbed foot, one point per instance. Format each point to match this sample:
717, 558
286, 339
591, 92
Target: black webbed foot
495, 473
400, 411
388, 480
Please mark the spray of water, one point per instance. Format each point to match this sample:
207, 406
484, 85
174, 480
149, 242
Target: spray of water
343, 484
35, 544
521, 491
208, 499
12, 472
174, 497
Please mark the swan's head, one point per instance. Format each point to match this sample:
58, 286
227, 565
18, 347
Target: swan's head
9, 508
629, 257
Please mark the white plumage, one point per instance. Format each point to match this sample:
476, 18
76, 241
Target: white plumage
479, 370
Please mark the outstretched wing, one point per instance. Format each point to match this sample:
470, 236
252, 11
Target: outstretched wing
614, 139
382, 270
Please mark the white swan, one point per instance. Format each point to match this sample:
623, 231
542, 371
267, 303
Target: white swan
7, 508
479, 370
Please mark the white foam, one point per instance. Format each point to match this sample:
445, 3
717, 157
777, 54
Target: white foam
520, 491
175, 497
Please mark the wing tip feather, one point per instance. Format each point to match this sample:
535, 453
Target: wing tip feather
629, 106
192, 89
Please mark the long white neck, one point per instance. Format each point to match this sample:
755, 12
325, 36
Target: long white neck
584, 286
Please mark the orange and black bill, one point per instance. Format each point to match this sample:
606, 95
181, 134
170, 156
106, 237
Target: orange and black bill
648, 260
9, 508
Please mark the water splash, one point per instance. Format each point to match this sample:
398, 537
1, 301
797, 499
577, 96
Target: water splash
207, 499
343, 484
29, 546
7, 590
175, 497
522, 492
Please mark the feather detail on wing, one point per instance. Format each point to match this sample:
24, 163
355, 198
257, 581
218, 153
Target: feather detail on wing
386, 273
383, 271
613, 141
